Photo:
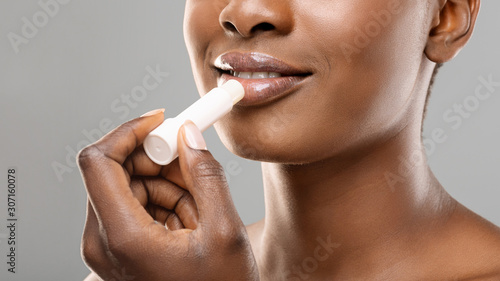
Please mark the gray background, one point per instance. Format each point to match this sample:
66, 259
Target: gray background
67, 77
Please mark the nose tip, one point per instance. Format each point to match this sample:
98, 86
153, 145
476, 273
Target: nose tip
248, 18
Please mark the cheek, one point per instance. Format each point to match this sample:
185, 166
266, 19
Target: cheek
200, 23
374, 50
201, 28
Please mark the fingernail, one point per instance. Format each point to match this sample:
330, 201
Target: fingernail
193, 136
153, 112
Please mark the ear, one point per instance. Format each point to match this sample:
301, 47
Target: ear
451, 28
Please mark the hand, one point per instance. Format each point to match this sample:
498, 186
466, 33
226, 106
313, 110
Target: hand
148, 222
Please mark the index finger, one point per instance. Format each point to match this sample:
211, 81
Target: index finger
106, 180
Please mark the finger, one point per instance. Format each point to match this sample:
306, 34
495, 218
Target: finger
107, 181
172, 172
173, 222
205, 180
165, 194
138, 163
166, 217
123, 140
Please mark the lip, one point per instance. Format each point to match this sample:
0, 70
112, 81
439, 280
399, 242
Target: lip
264, 90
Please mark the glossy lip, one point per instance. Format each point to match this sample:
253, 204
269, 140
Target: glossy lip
259, 91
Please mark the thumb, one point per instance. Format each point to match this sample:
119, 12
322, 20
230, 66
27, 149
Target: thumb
205, 180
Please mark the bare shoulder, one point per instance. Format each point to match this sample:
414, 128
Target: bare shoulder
254, 231
468, 248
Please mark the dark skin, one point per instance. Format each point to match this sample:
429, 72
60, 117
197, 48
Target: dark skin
335, 162
148, 222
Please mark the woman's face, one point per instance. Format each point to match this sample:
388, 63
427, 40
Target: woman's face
351, 70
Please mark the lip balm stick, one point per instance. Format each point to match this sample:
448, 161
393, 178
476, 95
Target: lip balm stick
161, 144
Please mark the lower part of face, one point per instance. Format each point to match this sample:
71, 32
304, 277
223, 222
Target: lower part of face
363, 58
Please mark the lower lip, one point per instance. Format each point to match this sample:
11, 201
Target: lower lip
263, 91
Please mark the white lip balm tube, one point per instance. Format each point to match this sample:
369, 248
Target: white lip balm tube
161, 144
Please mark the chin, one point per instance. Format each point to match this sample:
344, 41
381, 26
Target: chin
251, 147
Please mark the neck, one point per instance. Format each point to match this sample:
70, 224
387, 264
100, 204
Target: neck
353, 207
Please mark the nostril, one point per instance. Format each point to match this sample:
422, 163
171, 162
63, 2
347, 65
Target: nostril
264, 26
229, 26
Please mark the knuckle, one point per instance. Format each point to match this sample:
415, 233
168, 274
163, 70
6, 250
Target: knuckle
210, 169
185, 201
88, 155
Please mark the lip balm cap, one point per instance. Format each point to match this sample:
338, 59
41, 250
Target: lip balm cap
235, 89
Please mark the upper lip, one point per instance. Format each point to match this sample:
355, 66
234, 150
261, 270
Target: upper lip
255, 62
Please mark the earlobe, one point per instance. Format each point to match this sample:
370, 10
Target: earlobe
451, 28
